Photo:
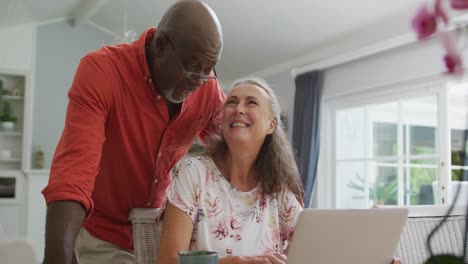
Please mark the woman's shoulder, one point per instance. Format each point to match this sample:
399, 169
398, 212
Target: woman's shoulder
199, 164
195, 161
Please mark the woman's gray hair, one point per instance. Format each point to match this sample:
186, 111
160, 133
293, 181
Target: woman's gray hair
275, 164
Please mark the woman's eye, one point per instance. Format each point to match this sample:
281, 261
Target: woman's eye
253, 102
230, 102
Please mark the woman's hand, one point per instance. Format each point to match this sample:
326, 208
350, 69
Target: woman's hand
272, 258
396, 261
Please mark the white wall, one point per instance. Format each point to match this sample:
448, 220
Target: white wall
17, 47
284, 86
405, 63
59, 49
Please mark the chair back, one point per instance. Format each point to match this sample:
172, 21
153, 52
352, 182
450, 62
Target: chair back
448, 239
146, 228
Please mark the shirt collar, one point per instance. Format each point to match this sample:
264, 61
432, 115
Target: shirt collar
144, 39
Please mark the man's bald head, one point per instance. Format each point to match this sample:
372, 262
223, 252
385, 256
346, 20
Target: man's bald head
192, 22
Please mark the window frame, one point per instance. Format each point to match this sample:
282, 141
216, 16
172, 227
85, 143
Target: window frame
326, 188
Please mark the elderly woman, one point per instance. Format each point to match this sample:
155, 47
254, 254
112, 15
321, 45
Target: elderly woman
243, 198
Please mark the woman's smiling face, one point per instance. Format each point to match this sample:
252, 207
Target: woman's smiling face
247, 115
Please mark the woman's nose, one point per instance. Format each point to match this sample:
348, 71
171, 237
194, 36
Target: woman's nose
240, 109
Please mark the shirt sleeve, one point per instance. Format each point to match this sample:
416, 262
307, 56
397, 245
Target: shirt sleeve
78, 153
215, 119
290, 209
185, 188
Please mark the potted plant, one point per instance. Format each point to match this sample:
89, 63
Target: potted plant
7, 121
380, 192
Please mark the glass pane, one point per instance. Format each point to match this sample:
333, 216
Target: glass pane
459, 146
350, 133
459, 174
458, 122
419, 182
419, 116
421, 140
350, 185
384, 119
383, 183
385, 139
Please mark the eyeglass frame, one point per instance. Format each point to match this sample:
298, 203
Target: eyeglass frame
192, 76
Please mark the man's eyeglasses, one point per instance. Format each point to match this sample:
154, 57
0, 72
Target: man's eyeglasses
193, 76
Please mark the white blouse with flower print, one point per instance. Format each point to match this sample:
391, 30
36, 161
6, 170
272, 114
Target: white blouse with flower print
229, 221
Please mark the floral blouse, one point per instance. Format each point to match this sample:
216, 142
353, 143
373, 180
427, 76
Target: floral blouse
229, 221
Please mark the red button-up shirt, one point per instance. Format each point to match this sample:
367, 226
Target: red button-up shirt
119, 143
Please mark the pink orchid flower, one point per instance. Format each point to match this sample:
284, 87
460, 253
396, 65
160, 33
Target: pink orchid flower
439, 11
452, 58
424, 23
453, 63
459, 4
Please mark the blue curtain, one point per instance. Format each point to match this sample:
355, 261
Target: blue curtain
306, 128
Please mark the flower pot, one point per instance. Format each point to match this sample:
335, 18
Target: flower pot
7, 126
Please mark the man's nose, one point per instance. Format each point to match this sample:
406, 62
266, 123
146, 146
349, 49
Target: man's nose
197, 82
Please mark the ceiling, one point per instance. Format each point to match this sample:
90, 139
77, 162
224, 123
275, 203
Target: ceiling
260, 36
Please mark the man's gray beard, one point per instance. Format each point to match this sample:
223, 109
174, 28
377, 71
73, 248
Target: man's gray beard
170, 97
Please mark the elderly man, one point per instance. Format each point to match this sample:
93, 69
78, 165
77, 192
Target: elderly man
133, 112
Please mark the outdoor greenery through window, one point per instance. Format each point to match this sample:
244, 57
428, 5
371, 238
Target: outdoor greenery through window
391, 153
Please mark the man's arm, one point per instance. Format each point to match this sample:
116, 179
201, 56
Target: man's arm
76, 159
63, 222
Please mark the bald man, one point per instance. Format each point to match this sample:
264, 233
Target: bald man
134, 111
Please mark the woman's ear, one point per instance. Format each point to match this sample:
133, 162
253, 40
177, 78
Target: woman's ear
272, 126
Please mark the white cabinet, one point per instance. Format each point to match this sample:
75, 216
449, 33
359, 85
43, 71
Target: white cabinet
12, 203
15, 150
12, 220
36, 210
15, 121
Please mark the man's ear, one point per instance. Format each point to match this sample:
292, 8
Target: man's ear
272, 126
161, 43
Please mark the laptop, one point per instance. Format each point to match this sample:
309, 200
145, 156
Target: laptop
331, 236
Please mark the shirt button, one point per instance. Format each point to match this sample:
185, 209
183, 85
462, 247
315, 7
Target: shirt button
159, 154
159, 97
148, 203
156, 181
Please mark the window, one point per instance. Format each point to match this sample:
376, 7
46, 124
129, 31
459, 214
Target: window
389, 149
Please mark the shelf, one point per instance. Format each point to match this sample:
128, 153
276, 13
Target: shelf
13, 134
12, 97
37, 172
13, 201
10, 160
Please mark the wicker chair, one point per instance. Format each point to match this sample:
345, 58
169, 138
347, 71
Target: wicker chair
412, 247
146, 234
